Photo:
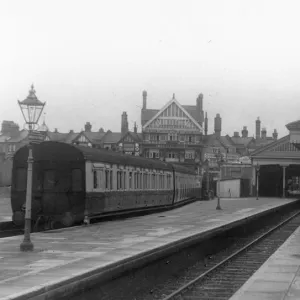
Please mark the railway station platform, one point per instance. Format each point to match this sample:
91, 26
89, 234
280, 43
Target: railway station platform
67, 260
279, 277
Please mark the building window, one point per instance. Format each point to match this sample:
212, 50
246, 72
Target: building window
189, 155
216, 150
171, 155
11, 148
157, 137
172, 137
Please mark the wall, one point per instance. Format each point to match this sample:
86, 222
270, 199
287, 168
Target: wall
230, 188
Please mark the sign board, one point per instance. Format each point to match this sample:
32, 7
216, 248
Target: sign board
36, 137
245, 160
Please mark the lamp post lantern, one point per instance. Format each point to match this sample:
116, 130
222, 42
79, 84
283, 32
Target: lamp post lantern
219, 162
257, 167
31, 109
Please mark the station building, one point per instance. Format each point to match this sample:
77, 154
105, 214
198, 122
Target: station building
174, 132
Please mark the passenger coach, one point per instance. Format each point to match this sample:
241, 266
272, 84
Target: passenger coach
74, 183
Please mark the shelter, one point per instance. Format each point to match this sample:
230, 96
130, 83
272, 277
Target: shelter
279, 169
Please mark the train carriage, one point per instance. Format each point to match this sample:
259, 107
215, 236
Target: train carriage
73, 183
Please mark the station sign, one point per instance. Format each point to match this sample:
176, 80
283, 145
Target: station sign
36, 137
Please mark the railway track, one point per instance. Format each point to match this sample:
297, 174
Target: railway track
221, 280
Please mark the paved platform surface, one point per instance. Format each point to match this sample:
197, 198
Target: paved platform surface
279, 277
68, 255
5, 207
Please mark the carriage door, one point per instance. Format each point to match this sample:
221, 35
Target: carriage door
56, 184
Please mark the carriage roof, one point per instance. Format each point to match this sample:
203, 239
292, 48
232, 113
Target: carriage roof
60, 151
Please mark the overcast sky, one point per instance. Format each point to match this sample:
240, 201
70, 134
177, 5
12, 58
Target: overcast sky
91, 60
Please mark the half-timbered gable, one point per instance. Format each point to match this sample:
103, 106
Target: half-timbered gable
173, 117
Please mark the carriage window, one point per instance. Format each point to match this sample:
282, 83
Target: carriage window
95, 176
124, 180
49, 179
130, 180
145, 181
76, 180
119, 180
21, 179
153, 182
111, 180
107, 179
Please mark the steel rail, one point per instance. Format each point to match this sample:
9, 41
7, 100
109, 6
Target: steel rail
190, 284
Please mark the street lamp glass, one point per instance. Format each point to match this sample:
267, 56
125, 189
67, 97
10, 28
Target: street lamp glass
31, 108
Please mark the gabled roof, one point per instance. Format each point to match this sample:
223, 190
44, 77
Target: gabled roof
173, 100
94, 135
293, 125
148, 114
212, 140
137, 137
193, 111
242, 140
22, 136
57, 136
273, 149
4, 138
111, 137
14, 139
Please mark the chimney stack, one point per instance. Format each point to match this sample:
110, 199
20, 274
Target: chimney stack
244, 132
144, 99
135, 128
199, 104
56, 131
236, 134
124, 123
88, 127
275, 135
257, 131
264, 133
218, 125
101, 130
205, 124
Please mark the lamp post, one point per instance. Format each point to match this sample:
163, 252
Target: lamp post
31, 109
219, 162
206, 166
257, 167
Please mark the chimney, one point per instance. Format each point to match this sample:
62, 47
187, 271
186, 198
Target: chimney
124, 123
55, 130
218, 125
236, 134
244, 132
205, 124
101, 130
88, 127
275, 135
10, 128
71, 131
263, 133
135, 128
257, 128
199, 104
144, 99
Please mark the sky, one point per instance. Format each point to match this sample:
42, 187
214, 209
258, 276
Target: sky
91, 60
